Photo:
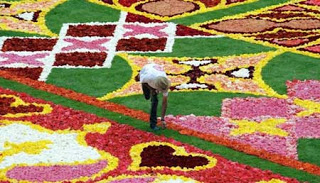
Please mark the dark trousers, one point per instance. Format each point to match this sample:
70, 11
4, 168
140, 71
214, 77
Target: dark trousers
147, 92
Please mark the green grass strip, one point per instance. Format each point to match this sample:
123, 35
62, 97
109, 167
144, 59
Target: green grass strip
290, 66
309, 150
93, 82
19, 34
217, 149
210, 47
84, 12
183, 103
217, 14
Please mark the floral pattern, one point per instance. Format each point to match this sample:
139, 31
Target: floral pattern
268, 124
65, 140
169, 9
290, 26
220, 74
39, 137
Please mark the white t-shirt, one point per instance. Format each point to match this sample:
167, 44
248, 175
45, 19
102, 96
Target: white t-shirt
149, 73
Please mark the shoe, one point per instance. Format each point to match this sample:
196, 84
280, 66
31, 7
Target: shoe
155, 128
163, 124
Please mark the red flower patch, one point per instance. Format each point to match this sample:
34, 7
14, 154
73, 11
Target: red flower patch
314, 49
80, 59
28, 72
28, 44
187, 31
145, 44
138, 18
91, 30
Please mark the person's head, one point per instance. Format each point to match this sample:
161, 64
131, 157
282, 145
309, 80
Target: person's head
162, 83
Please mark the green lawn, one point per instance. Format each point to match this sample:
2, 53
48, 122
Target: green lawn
82, 11
290, 66
93, 82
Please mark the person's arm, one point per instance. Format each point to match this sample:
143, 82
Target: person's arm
164, 107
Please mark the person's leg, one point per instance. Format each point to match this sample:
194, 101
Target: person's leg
146, 91
153, 112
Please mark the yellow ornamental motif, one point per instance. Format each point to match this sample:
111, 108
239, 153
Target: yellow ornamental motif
25, 147
97, 128
46, 108
268, 126
310, 106
25, 11
214, 74
272, 181
277, 24
25, 144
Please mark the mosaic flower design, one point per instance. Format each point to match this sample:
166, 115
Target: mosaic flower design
291, 26
270, 124
168, 9
83, 45
83, 147
220, 74
27, 16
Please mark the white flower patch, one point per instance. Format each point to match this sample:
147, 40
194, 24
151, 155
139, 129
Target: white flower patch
51, 59
195, 62
191, 86
26, 16
118, 34
171, 30
2, 39
242, 73
63, 148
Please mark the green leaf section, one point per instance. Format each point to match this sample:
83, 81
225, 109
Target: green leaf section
309, 150
217, 14
290, 66
93, 82
200, 103
82, 11
210, 47
19, 34
217, 149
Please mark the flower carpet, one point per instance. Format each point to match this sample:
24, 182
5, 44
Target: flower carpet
244, 101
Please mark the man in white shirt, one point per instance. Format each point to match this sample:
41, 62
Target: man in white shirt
154, 80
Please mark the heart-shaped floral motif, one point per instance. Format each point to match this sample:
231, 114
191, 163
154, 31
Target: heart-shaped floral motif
159, 155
